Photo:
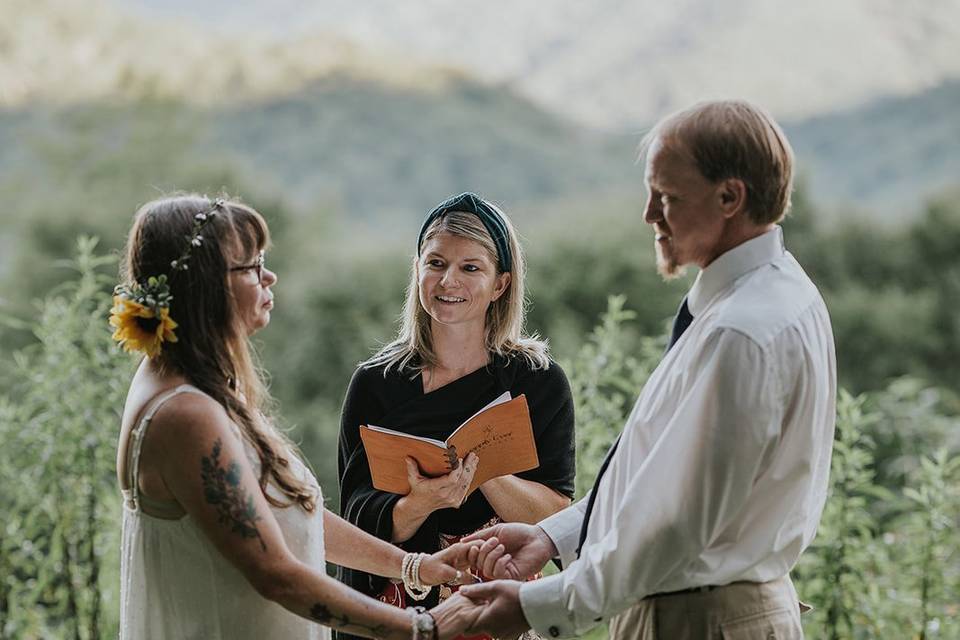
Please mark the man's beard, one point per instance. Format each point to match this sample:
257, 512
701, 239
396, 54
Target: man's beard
667, 265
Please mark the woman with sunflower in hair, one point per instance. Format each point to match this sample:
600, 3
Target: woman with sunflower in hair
224, 530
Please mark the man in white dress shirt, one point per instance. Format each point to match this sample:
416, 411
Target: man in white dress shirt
719, 478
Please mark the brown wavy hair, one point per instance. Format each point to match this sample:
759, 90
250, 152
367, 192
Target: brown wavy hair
213, 351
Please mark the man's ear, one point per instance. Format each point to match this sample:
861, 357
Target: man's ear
732, 193
503, 281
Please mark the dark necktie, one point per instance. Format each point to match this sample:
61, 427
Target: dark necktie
680, 324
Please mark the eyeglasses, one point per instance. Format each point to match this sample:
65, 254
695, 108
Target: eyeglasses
258, 265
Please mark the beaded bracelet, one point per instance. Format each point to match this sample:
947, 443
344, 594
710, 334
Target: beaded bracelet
410, 574
422, 623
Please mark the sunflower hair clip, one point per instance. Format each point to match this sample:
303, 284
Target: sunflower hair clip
141, 310
141, 316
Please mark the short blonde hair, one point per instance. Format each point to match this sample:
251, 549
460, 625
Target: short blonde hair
735, 139
413, 346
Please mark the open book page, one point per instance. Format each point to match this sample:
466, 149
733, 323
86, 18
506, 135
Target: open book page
500, 399
503, 397
433, 441
502, 437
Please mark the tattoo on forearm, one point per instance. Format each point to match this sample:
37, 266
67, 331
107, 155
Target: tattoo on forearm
321, 613
222, 489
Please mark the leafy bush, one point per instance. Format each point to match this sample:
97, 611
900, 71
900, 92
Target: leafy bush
605, 377
59, 551
884, 565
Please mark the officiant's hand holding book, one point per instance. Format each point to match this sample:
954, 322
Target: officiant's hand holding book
500, 434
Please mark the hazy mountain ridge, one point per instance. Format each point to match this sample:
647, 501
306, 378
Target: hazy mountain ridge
355, 133
620, 65
380, 153
369, 151
66, 52
611, 64
885, 157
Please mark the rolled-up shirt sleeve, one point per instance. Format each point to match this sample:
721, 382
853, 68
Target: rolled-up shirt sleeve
697, 475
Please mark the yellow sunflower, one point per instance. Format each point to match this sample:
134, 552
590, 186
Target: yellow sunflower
139, 327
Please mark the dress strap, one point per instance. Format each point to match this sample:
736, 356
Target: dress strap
131, 493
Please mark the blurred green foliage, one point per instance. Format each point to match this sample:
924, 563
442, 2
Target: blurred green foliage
605, 377
885, 563
59, 552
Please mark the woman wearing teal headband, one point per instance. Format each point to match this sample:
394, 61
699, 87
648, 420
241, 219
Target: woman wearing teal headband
461, 344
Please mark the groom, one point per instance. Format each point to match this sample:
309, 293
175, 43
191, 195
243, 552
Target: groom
717, 482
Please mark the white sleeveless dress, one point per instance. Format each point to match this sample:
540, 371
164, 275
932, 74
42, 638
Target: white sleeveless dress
175, 585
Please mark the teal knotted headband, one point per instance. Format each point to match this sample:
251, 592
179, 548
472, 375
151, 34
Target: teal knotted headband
489, 216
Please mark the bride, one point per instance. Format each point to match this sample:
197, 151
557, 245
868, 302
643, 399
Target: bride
224, 530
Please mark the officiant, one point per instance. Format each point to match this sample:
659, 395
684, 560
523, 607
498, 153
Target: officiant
460, 345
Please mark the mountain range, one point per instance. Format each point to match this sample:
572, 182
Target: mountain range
619, 64
377, 134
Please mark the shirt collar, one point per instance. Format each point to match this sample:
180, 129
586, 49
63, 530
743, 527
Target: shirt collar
721, 273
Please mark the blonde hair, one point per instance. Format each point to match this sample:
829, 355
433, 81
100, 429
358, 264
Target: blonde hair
735, 139
413, 346
212, 350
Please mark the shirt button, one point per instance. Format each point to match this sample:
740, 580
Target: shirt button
554, 631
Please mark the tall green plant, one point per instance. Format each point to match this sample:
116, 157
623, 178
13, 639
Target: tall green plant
605, 377
930, 550
835, 572
59, 426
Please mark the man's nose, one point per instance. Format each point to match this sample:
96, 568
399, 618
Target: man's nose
652, 212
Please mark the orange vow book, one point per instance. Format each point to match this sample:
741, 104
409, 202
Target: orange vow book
500, 434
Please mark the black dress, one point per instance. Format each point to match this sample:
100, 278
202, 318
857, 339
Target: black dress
397, 402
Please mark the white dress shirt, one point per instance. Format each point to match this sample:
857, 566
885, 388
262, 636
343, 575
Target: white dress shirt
721, 473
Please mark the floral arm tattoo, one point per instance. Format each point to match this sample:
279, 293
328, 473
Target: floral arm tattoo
321, 613
222, 489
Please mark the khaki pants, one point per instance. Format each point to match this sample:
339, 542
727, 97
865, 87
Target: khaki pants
738, 611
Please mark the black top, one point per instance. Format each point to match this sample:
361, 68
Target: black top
397, 402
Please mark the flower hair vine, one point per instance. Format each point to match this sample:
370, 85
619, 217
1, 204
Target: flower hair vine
141, 310
195, 239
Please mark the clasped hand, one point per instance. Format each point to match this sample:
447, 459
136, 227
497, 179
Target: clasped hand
509, 552
448, 491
